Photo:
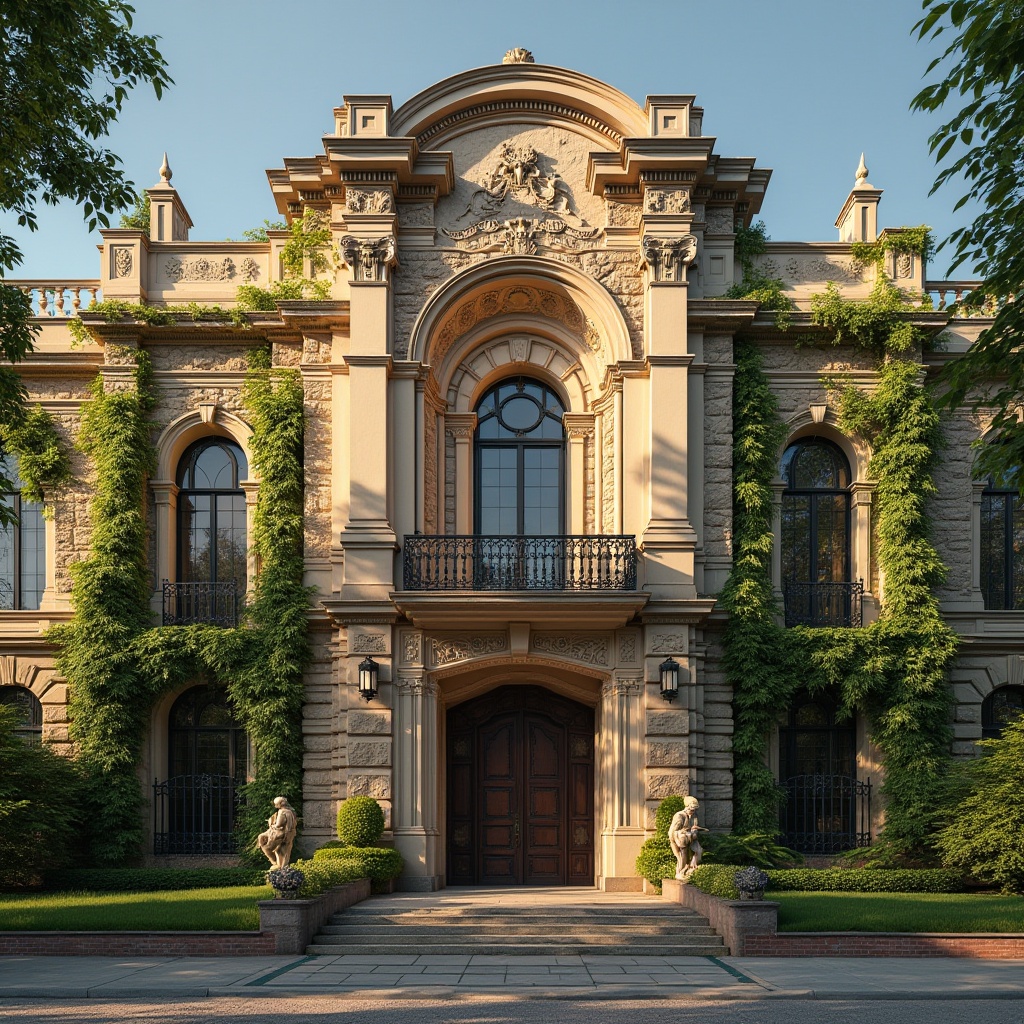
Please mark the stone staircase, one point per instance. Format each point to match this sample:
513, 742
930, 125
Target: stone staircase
522, 922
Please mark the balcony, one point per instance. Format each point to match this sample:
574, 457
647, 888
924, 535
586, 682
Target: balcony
200, 604
823, 604
519, 563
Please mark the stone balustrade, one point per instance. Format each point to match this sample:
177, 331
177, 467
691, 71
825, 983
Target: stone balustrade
949, 295
57, 298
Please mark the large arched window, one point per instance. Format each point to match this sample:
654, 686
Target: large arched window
1002, 543
208, 759
1003, 705
29, 710
815, 542
520, 461
212, 544
22, 548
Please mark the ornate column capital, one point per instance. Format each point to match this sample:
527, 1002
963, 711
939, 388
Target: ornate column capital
668, 258
369, 259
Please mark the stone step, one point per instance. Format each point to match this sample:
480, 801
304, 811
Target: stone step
711, 946
511, 917
518, 939
339, 926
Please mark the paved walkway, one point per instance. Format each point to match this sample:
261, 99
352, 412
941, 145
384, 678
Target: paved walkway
602, 976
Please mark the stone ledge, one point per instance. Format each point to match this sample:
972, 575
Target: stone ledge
293, 923
136, 944
737, 921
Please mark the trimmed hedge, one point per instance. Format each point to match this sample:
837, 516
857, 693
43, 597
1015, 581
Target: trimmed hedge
150, 879
379, 863
656, 861
327, 872
718, 880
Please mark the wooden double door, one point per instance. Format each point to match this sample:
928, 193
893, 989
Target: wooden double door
520, 790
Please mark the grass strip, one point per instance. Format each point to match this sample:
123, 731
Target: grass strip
200, 910
898, 912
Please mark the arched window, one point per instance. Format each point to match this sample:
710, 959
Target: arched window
208, 758
1002, 706
815, 543
29, 710
212, 543
520, 461
1002, 543
22, 548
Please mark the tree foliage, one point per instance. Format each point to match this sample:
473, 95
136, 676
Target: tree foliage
980, 70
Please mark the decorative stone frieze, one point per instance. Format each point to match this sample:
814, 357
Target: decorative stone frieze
359, 200
369, 643
667, 642
666, 200
200, 269
412, 648
250, 269
445, 650
587, 647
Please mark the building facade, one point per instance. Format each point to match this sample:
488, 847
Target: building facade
518, 479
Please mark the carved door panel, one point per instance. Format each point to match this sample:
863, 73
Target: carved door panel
521, 790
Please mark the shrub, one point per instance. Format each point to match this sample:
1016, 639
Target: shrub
716, 880
360, 821
656, 861
39, 797
758, 848
323, 873
865, 880
378, 863
985, 834
663, 818
150, 879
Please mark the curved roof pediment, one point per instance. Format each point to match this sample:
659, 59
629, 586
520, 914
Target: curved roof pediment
526, 92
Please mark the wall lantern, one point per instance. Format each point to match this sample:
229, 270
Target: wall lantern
669, 670
368, 670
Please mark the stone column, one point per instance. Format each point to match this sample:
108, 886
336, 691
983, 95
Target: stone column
165, 496
417, 834
622, 768
860, 529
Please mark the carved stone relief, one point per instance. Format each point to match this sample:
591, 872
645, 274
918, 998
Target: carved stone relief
363, 201
667, 200
904, 264
250, 269
445, 650
668, 643
622, 687
369, 643
412, 648
817, 268
369, 259
627, 647
123, 262
623, 215
502, 215
578, 646
200, 269
668, 258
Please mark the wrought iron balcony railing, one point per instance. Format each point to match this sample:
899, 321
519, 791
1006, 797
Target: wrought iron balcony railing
191, 604
826, 813
519, 563
194, 814
823, 604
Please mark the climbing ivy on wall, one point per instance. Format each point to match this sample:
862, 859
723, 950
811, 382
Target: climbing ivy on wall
43, 457
756, 284
117, 664
893, 671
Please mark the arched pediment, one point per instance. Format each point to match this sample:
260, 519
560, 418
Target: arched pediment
529, 93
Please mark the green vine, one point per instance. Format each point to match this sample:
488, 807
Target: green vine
115, 310
43, 458
893, 671
117, 663
756, 284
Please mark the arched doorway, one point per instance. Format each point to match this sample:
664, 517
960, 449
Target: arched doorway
520, 789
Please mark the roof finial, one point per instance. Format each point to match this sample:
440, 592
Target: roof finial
518, 55
862, 174
165, 172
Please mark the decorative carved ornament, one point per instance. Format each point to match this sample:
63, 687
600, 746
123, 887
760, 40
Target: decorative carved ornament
500, 215
622, 688
816, 268
369, 259
412, 648
668, 643
516, 300
667, 200
200, 269
416, 687
904, 264
369, 643
122, 262
362, 201
250, 269
461, 648
627, 647
577, 646
518, 55
668, 258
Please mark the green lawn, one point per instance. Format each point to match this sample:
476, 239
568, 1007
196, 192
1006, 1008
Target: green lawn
898, 912
215, 910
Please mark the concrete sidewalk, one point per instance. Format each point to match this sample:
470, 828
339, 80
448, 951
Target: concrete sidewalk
563, 977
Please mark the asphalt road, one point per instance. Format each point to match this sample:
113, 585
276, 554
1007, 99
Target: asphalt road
346, 1009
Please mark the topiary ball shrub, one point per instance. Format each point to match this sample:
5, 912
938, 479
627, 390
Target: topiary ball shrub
666, 812
656, 861
360, 821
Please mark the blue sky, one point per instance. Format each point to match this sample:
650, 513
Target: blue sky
801, 85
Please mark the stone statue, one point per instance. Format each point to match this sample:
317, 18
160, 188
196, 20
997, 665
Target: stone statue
276, 842
682, 837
